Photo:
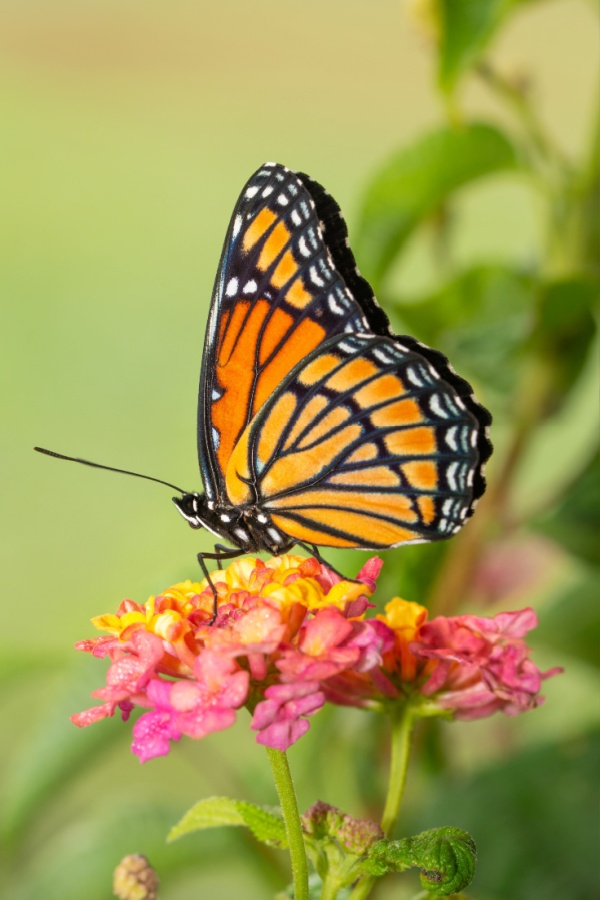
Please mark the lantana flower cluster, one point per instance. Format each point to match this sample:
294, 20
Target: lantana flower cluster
290, 635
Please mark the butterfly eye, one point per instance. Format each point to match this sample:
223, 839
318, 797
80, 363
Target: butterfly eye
188, 506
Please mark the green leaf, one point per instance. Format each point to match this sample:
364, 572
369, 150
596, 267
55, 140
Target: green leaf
446, 857
564, 330
55, 752
534, 814
575, 520
570, 627
481, 320
215, 812
418, 180
466, 27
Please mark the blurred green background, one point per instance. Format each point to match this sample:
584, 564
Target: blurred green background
128, 130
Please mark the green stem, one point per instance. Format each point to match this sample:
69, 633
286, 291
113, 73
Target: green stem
402, 729
291, 818
516, 97
330, 889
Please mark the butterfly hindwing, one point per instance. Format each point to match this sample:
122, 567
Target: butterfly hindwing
278, 295
363, 445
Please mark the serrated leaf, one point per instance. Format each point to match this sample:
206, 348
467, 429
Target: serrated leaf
446, 857
418, 180
215, 812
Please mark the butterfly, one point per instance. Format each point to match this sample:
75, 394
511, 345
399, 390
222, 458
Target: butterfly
317, 425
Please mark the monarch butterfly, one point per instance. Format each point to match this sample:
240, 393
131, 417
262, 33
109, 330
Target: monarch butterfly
317, 425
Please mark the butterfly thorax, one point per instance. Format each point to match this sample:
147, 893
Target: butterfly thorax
250, 529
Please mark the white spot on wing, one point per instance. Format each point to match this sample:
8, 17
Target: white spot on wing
282, 200
250, 287
268, 190
436, 407
216, 437
237, 224
296, 218
447, 506
251, 192
334, 306
383, 357
451, 476
302, 247
450, 438
315, 278
232, 286
413, 377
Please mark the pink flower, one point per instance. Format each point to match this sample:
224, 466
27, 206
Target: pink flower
481, 665
195, 708
281, 719
135, 663
289, 635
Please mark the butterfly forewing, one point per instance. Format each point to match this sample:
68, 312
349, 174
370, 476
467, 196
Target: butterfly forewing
278, 295
364, 445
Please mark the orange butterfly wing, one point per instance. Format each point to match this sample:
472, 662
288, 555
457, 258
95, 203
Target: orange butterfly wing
315, 421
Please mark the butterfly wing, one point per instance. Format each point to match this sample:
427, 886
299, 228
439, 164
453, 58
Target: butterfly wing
286, 283
363, 445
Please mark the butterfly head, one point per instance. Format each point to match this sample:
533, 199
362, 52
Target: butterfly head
191, 507
222, 521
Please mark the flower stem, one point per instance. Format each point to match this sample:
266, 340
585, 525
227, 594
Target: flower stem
291, 818
402, 728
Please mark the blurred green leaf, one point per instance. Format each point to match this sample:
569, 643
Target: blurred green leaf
76, 859
534, 819
575, 520
418, 180
54, 753
481, 320
571, 625
466, 28
564, 330
214, 812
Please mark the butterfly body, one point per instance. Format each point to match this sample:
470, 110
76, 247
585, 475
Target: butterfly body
250, 529
316, 424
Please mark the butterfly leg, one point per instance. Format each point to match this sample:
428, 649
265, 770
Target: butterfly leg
221, 552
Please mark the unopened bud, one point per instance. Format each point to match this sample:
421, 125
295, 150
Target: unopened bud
135, 879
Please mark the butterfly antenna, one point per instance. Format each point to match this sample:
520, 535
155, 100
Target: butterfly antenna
86, 462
